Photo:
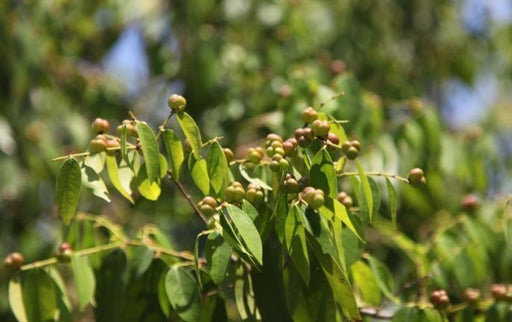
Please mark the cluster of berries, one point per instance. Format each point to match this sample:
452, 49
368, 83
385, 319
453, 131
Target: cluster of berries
275, 149
416, 177
502, 292
440, 299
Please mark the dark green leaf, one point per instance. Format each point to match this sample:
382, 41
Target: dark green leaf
174, 152
323, 174
255, 180
295, 241
150, 151
218, 255
39, 295
375, 195
141, 260
68, 189
218, 169
85, 282
191, 131
392, 201
111, 287
181, 289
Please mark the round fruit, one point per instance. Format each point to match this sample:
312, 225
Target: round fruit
274, 137
309, 115
345, 146
176, 103
254, 156
64, 252
321, 128
230, 156
333, 138
470, 202
97, 145
317, 201
352, 153
130, 128
13, 261
100, 126
471, 295
356, 144
416, 177
210, 201
207, 210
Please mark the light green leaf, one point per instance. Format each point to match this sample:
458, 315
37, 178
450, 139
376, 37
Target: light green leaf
366, 189
68, 189
247, 231
39, 295
96, 161
16, 298
199, 173
365, 282
151, 191
182, 292
92, 181
218, 255
340, 212
150, 151
85, 282
175, 153
192, 133
249, 209
218, 169
126, 176
383, 277
257, 181
113, 174
392, 201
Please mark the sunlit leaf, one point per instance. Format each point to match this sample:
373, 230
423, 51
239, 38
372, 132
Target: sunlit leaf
367, 191
150, 151
192, 133
174, 152
248, 232
218, 169
113, 174
199, 172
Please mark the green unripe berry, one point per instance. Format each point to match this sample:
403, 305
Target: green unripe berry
321, 128
277, 157
416, 177
130, 128
308, 194
309, 115
283, 164
345, 146
207, 210
97, 145
230, 156
352, 153
210, 201
100, 126
279, 151
176, 103
356, 144
317, 201
276, 144
64, 253
274, 166
254, 156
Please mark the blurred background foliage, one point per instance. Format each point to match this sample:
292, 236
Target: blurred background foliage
425, 85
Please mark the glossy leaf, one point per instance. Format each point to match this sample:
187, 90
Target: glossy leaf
367, 191
113, 174
218, 169
150, 151
218, 255
175, 152
85, 282
247, 231
182, 292
199, 172
392, 201
192, 133
68, 189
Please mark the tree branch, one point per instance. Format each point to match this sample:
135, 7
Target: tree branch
188, 197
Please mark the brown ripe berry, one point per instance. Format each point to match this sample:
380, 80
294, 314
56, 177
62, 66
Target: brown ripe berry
97, 145
64, 252
333, 138
13, 261
289, 148
345, 199
440, 299
176, 103
470, 202
337, 66
299, 133
274, 137
320, 128
100, 126
210, 201
499, 292
230, 156
309, 115
356, 144
112, 146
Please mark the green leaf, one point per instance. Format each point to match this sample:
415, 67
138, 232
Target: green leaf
376, 197
16, 298
295, 241
383, 277
39, 295
340, 212
218, 169
416, 314
507, 215
249, 209
64, 304
199, 173
150, 151
68, 189
96, 161
365, 282
92, 181
141, 260
392, 201
337, 129
367, 190
85, 282
191, 131
247, 231
323, 175
150, 190
257, 181
218, 255
113, 174
340, 286
126, 175
182, 292
124, 150
111, 287
175, 153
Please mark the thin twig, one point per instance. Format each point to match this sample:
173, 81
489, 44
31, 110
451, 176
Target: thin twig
378, 174
188, 197
161, 128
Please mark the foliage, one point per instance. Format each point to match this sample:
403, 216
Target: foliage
303, 246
